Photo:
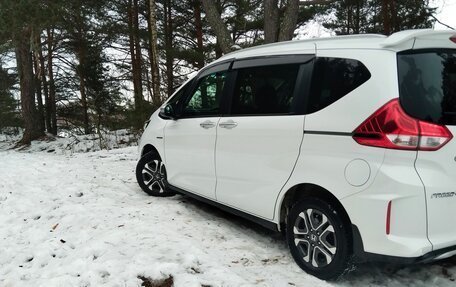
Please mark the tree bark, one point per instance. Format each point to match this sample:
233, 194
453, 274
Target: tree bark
199, 33
169, 58
52, 91
290, 21
44, 82
37, 81
271, 21
215, 20
154, 54
136, 59
386, 18
25, 70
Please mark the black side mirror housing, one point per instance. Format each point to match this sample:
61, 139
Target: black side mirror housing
168, 113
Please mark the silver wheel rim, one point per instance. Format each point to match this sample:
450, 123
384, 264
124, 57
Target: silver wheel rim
315, 238
154, 176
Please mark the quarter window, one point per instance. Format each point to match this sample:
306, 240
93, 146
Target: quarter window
264, 90
205, 100
334, 78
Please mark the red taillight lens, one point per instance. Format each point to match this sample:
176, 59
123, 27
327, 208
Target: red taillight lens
390, 127
453, 39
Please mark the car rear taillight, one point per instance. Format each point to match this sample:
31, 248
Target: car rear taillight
390, 127
453, 39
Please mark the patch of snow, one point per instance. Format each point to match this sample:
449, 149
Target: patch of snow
81, 220
68, 143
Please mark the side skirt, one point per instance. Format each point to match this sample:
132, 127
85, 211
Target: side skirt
260, 221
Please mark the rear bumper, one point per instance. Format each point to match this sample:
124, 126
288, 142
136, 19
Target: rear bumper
362, 256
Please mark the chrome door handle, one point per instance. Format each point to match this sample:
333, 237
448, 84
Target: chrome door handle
207, 124
230, 124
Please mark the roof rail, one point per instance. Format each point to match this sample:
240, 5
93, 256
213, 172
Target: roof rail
311, 40
406, 35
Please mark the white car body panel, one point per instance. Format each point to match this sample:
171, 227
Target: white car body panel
154, 134
189, 153
396, 181
255, 159
438, 172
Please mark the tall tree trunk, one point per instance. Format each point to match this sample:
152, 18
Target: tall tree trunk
52, 107
215, 20
154, 53
199, 33
37, 81
393, 16
83, 91
169, 47
271, 21
290, 20
136, 60
386, 18
44, 82
25, 69
357, 20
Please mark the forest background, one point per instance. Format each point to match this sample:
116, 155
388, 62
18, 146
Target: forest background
84, 66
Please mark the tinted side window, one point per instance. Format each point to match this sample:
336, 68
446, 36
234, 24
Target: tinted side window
178, 97
264, 90
205, 99
332, 79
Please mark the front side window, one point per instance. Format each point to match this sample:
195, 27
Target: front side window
264, 90
179, 96
334, 78
427, 85
205, 99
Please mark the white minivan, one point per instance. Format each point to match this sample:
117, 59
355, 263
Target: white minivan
345, 144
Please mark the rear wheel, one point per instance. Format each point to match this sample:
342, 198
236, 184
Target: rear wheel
151, 175
318, 238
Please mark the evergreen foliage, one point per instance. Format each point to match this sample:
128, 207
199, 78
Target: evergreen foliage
89, 64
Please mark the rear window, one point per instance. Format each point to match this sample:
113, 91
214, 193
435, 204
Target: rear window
427, 85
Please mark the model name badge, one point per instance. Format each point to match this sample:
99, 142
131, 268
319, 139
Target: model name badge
443, 195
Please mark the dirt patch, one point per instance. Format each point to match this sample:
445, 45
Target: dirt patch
147, 282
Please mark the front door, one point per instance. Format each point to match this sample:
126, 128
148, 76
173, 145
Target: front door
190, 140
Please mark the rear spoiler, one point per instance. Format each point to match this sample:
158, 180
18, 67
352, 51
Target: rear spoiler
426, 34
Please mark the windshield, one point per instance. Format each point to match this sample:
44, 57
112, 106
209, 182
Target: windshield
427, 84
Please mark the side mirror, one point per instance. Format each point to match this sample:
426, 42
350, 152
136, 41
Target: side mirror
167, 112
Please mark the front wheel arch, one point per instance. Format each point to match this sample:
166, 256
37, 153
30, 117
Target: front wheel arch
149, 148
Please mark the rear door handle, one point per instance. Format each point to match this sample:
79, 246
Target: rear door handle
229, 124
207, 124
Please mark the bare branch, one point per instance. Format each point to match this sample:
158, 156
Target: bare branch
316, 2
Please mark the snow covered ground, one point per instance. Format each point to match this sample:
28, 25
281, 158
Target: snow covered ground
79, 219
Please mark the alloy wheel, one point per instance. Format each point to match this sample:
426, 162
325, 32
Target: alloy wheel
315, 238
154, 176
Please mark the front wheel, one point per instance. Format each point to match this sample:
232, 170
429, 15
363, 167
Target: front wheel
318, 238
151, 175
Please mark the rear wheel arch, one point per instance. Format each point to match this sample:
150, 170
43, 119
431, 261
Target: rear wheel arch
308, 190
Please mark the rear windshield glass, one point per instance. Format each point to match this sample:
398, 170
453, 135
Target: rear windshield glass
427, 84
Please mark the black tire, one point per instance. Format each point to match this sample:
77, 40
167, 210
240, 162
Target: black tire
311, 247
151, 175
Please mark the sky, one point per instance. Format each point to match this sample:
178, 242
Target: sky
446, 12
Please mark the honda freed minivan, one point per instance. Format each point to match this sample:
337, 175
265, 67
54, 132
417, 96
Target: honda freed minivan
344, 143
